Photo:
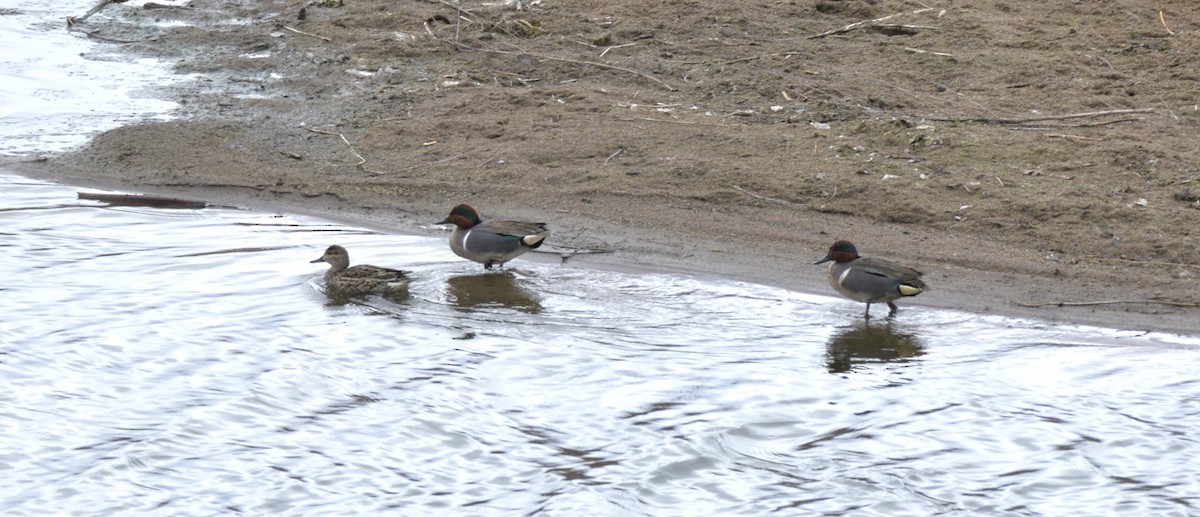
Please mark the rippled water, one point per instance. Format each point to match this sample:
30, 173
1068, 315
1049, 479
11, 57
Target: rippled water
186, 362
51, 98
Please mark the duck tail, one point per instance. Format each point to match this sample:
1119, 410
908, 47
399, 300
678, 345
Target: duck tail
911, 288
533, 241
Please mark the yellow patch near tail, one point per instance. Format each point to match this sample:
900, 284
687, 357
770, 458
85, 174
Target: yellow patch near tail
533, 240
908, 290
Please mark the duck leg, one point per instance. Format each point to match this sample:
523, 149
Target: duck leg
893, 310
867, 314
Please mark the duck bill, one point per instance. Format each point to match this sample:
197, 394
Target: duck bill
824, 260
444, 221
318, 259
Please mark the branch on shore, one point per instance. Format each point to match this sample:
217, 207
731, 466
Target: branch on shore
565, 253
672, 121
1108, 302
580, 62
298, 31
762, 197
521, 52
1150, 262
360, 161
143, 200
420, 165
72, 21
95, 36
456, 7
866, 23
1023, 121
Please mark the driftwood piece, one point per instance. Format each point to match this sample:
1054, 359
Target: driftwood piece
1048, 118
1172, 303
73, 20
578, 62
461, 46
298, 31
865, 23
143, 200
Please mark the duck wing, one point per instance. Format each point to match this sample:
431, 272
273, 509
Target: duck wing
382, 274
514, 233
514, 228
890, 270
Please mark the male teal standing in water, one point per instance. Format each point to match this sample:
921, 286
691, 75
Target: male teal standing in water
491, 243
870, 280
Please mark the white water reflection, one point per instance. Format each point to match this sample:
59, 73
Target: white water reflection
57, 88
187, 362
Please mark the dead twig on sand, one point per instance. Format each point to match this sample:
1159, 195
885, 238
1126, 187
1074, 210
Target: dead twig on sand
864, 23
760, 56
762, 197
298, 31
446, 3
1108, 302
1073, 137
156, 5
435, 162
1150, 262
613, 155
930, 52
831, 196
565, 253
1085, 124
682, 122
1023, 121
904, 27
73, 20
1163, 19
360, 161
93, 35
617, 46
521, 52
590, 63
490, 160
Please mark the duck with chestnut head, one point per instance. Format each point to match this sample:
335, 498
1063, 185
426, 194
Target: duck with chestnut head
870, 280
491, 243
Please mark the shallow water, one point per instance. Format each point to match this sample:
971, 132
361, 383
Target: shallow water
52, 98
186, 362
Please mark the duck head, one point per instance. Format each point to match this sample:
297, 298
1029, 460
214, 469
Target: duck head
336, 256
463, 216
841, 251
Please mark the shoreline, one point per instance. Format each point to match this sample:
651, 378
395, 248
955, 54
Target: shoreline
954, 285
740, 149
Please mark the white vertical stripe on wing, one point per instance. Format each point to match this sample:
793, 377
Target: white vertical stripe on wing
466, 236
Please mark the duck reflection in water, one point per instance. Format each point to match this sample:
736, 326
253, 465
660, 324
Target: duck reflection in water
863, 343
335, 298
491, 290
